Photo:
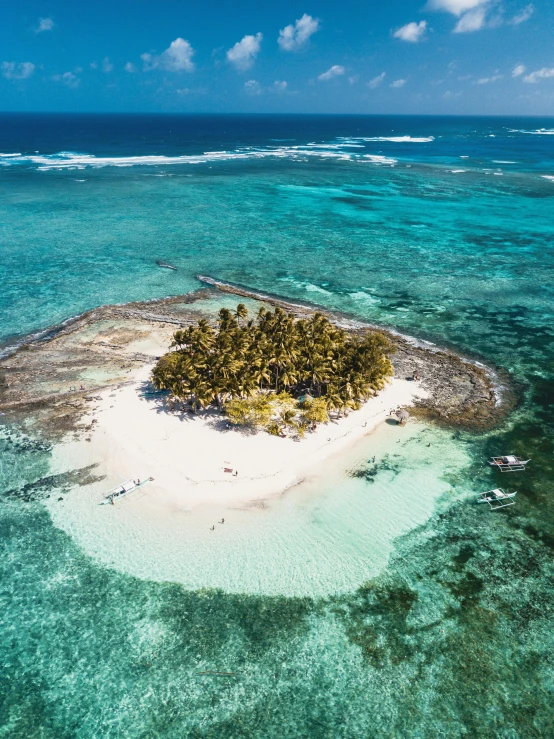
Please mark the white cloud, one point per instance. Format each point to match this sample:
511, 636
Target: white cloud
413, 32
523, 15
69, 79
518, 70
474, 20
398, 83
184, 91
456, 7
15, 71
540, 74
44, 24
243, 53
487, 80
472, 14
449, 95
335, 71
130, 67
376, 81
252, 87
176, 58
293, 38
107, 66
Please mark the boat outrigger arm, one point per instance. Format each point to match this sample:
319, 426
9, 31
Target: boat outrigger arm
509, 463
497, 498
124, 489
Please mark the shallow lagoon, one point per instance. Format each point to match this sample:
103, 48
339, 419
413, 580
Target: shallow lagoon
327, 535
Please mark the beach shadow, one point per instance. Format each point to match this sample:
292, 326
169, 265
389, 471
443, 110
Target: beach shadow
160, 402
393, 422
220, 423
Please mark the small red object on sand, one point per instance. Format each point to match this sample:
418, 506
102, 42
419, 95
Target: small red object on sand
227, 469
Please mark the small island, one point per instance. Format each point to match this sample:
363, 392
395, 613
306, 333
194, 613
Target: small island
274, 371
209, 397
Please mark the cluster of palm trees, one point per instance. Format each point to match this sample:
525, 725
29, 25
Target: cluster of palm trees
273, 353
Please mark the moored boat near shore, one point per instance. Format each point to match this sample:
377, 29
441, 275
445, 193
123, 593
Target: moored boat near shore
509, 463
497, 498
121, 491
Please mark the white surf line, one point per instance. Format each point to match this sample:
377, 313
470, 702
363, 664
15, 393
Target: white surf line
79, 161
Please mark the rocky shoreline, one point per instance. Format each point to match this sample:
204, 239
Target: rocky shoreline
462, 392
48, 382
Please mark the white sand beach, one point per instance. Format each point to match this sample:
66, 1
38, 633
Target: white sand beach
327, 534
198, 460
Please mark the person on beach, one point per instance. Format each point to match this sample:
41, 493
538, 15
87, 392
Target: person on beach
222, 520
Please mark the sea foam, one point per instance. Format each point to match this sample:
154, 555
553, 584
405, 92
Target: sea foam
537, 131
392, 139
76, 161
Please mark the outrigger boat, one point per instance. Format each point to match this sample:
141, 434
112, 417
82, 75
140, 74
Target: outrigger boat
497, 498
165, 264
509, 463
124, 489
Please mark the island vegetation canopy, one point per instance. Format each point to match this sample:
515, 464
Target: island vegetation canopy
274, 370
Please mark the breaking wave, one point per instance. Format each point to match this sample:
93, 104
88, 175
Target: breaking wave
76, 161
394, 139
537, 131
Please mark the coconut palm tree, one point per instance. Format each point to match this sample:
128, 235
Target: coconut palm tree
241, 312
271, 353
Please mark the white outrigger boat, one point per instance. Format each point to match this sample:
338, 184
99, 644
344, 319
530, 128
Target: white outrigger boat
497, 498
509, 463
121, 491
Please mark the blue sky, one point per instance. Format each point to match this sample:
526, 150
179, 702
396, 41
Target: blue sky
437, 56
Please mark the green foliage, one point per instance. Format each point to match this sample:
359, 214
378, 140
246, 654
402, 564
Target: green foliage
254, 412
315, 411
276, 357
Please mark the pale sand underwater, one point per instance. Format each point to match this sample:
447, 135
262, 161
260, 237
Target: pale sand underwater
328, 533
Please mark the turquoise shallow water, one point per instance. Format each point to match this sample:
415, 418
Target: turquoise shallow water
453, 637
326, 535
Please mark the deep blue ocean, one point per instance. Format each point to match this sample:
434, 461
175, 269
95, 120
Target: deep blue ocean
442, 228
